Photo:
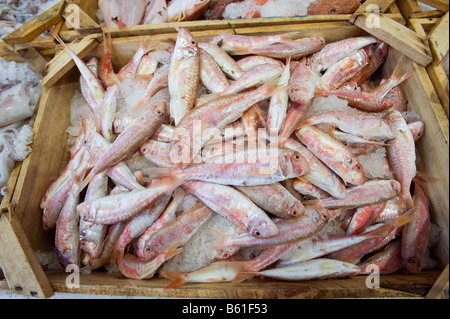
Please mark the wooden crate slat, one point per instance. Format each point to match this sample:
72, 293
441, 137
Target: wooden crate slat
440, 288
439, 38
381, 5
438, 4
36, 26
18, 262
397, 36
63, 62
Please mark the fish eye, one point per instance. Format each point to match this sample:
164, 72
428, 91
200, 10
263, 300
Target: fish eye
324, 216
256, 233
294, 212
297, 157
358, 167
144, 150
193, 42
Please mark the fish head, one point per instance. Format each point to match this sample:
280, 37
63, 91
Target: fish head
386, 104
186, 45
260, 227
413, 263
297, 210
356, 174
160, 110
299, 164
318, 42
396, 186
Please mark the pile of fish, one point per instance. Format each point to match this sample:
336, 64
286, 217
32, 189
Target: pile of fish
234, 131
121, 13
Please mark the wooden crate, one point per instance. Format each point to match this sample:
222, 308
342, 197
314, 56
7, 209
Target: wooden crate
436, 31
21, 216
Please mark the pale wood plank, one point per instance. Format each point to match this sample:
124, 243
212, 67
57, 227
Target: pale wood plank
19, 265
398, 37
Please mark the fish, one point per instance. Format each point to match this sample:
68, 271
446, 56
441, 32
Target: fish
313, 248
176, 232
294, 49
211, 75
366, 126
289, 231
130, 69
167, 215
91, 234
326, 7
402, 156
321, 268
67, 229
184, 75
319, 174
228, 65
93, 83
371, 193
186, 10
129, 140
136, 226
250, 62
416, 234
243, 168
234, 206
107, 112
388, 260
113, 209
333, 154
215, 115
134, 268
344, 70
306, 188
363, 217
106, 70
275, 199
156, 12
383, 234
336, 51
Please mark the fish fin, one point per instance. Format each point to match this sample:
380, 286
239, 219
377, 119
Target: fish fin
172, 253
178, 278
220, 237
172, 181
242, 276
154, 172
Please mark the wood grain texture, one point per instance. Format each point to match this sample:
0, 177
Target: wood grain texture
393, 286
397, 36
440, 287
18, 262
438, 4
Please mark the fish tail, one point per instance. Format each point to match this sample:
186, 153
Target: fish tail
178, 278
147, 45
278, 83
242, 276
406, 202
